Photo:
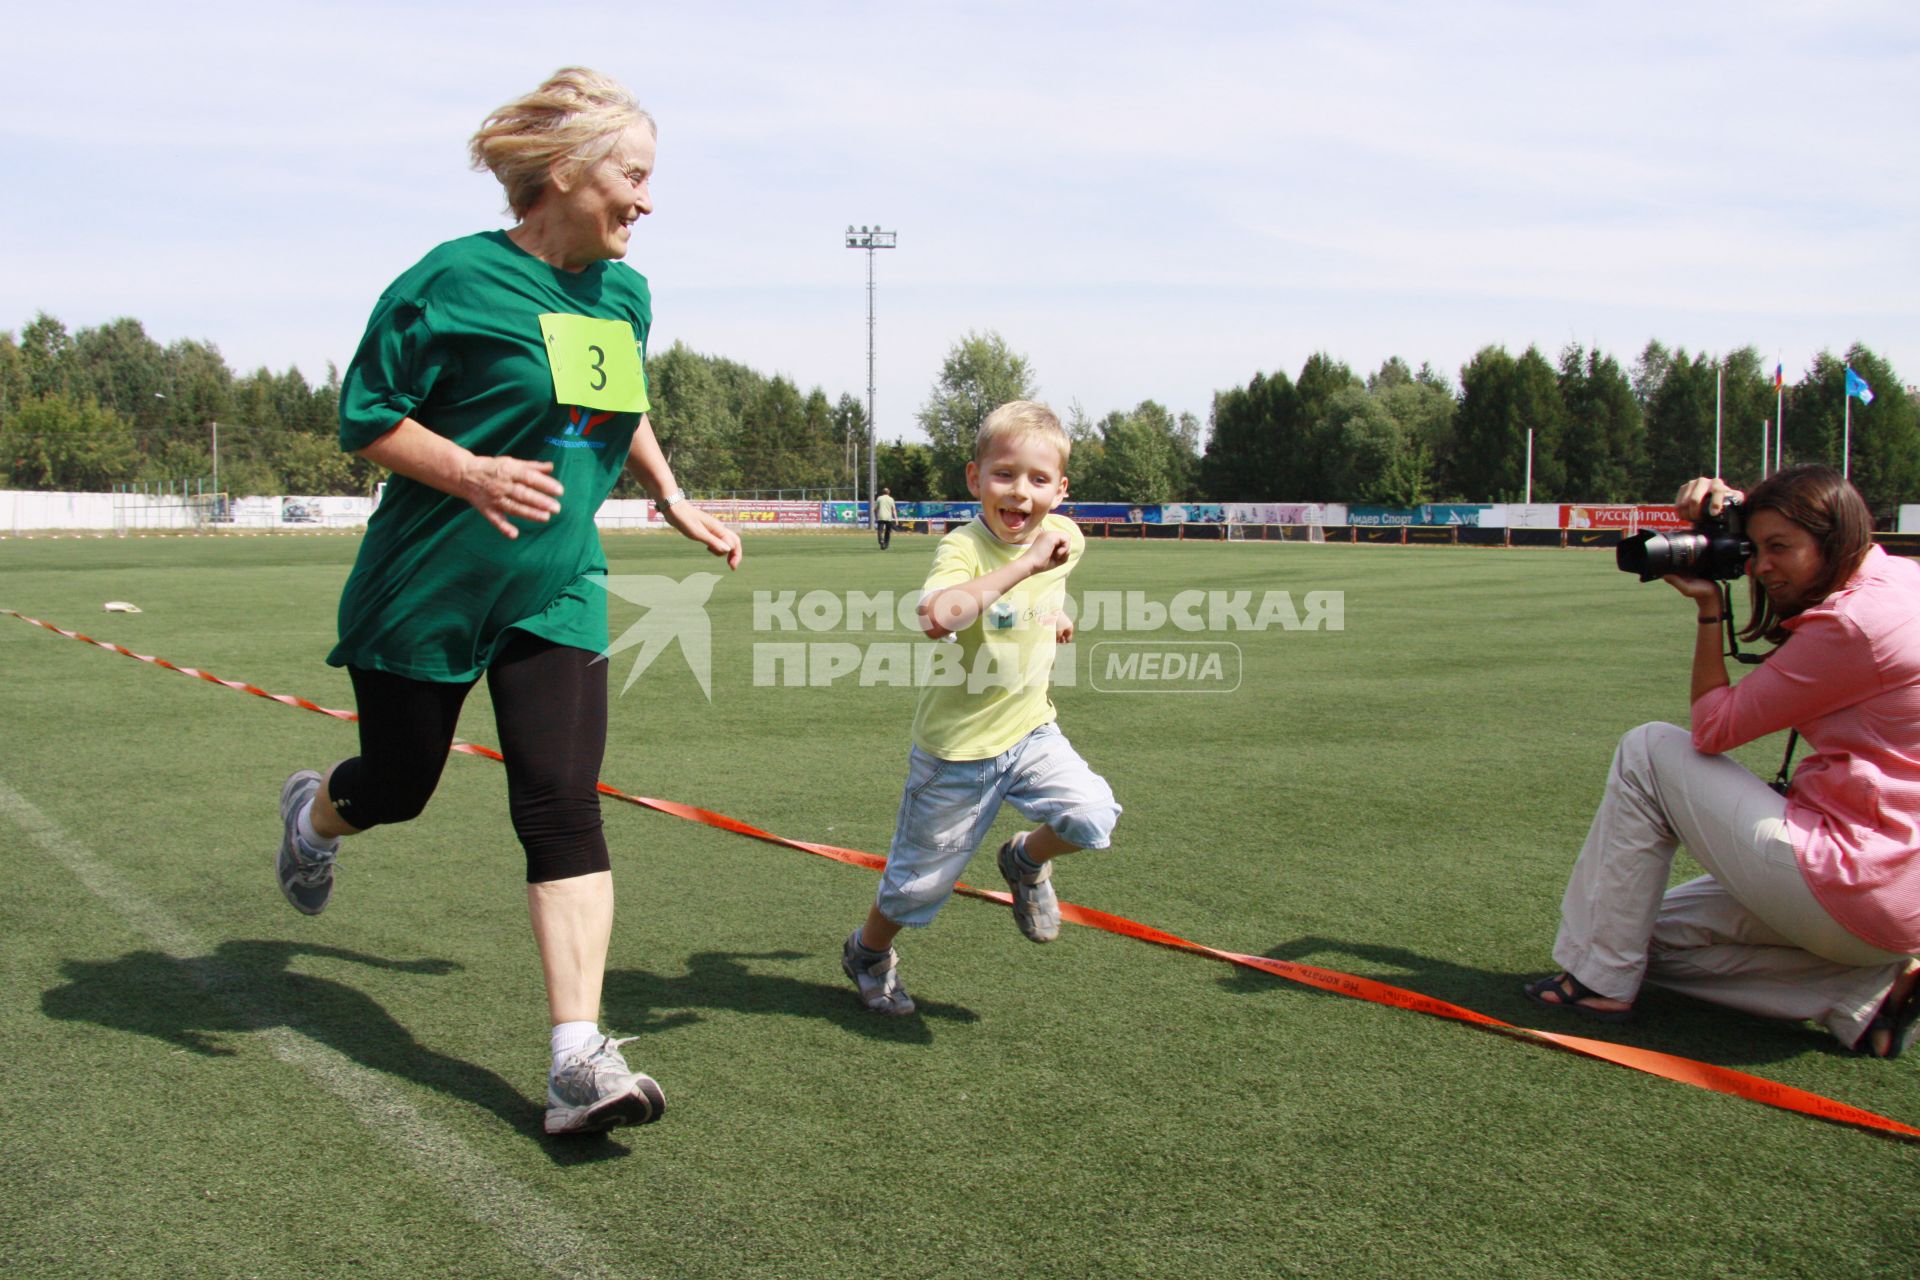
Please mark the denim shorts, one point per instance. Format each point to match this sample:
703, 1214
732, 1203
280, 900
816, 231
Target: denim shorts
949, 806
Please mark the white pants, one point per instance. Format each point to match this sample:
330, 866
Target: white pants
1749, 934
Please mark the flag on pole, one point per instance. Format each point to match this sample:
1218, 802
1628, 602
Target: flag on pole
1779, 376
1857, 386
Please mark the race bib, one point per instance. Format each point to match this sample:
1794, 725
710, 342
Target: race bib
595, 363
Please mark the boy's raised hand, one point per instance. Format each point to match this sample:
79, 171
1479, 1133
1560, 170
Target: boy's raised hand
1049, 551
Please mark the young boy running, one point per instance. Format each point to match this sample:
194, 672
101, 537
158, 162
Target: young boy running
998, 586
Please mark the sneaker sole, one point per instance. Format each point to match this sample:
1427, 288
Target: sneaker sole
642, 1104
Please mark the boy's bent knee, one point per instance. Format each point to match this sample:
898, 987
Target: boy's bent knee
1087, 827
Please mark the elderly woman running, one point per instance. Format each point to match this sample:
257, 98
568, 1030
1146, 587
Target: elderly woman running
502, 381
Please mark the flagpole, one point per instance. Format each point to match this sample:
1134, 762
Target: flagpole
1846, 435
1719, 376
1779, 421
1763, 448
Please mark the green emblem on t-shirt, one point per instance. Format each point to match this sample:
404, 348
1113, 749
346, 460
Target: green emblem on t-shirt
595, 363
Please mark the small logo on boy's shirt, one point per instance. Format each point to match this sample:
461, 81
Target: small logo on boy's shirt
1001, 616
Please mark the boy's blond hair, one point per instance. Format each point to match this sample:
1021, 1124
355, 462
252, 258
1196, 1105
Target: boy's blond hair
1022, 420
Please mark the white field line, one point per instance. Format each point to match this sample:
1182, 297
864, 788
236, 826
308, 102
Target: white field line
515, 1213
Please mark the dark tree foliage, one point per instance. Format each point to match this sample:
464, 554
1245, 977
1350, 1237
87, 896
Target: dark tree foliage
906, 471
108, 405
1604, 447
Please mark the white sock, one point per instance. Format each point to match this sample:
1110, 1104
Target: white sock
1027, 865
571, 1037
311, 838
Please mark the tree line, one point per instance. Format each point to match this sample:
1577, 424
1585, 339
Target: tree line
1582, 429
98, 407
106, 406
1600, 432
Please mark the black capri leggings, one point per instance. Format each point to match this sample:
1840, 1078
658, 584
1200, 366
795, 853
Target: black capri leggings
550, 707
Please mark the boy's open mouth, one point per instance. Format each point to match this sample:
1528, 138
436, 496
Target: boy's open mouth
1014, 520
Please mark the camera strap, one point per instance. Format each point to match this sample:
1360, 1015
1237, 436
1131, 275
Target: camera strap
1733, 640
1783, 780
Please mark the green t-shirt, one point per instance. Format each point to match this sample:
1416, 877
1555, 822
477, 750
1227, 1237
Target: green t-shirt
1005, 659
457, 344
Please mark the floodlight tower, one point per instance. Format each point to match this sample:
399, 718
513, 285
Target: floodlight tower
870, 239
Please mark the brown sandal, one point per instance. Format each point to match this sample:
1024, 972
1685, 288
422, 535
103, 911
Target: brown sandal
1569, 993
1898, 1020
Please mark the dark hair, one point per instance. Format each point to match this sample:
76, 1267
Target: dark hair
1825, 504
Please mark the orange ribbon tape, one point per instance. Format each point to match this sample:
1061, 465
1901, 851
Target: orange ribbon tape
1701, 1075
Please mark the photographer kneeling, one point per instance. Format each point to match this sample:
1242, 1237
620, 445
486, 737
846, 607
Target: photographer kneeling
1810, 908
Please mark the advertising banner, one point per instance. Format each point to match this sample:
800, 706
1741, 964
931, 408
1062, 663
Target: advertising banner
755, 511
843, 515
1281, 513
951, 512
1188, 513
1453, 513
1103, 512
1630, 518
1380, 516
1538, 515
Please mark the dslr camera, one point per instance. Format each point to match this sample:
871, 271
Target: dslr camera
1717, 548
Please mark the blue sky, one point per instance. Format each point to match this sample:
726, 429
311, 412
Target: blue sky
1148, 200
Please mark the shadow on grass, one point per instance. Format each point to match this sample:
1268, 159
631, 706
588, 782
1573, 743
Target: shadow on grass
648, 1002
249, 986
1662, 1021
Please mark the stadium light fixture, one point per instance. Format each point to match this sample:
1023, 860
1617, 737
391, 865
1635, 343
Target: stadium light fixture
871, 239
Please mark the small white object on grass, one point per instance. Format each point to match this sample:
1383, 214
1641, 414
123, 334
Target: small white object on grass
120, 606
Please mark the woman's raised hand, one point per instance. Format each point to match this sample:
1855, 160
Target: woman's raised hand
1708, 491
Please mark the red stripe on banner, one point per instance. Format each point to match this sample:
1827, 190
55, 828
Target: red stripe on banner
1701, 1075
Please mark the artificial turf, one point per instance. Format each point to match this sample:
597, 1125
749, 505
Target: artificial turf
197, 1081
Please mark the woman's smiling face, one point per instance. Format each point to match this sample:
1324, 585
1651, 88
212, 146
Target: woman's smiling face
1787, 562
604, 202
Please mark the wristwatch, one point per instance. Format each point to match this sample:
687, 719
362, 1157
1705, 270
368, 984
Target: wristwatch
662, 503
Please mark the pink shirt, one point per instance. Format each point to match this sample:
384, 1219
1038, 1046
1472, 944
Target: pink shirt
1849, 680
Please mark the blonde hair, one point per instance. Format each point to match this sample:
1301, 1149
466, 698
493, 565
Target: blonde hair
1022, 420
572, 120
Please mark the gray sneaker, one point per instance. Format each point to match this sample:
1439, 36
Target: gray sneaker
306, 874
1035, 907
595, 1089
879, 982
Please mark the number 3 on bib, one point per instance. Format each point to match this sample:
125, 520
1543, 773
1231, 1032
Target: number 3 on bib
595, 363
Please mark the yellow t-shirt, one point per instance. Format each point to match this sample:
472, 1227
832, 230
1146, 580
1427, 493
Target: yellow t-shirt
883, 508
996, 692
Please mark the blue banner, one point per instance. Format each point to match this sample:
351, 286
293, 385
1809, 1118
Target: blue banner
1104, 512
953, 512
1451, 513
1383, 515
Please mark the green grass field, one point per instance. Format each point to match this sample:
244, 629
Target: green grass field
199, 1082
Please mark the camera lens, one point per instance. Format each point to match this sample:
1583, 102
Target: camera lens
1654, 555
